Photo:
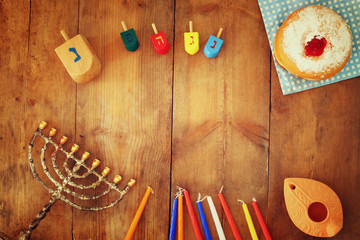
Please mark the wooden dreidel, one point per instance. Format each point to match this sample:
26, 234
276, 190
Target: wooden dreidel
129, 38
160, 42
213, 45
191, 41
78, 58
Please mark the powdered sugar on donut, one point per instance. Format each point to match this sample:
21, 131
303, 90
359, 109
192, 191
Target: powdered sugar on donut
320, 22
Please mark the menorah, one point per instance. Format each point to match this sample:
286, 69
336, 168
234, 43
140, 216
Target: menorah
68, 178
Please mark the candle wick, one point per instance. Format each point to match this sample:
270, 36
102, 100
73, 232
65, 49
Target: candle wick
180, 189
254, 199
221, 189
204, 198
177, 195
179, 192
152, 191
199, 198
239, 200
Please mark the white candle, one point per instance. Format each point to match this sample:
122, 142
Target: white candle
216, 219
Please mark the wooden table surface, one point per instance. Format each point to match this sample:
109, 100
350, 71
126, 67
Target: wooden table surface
168, 120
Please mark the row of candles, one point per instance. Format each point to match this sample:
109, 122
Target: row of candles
177, 218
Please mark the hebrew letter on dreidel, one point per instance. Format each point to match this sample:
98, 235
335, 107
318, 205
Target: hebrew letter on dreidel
86, 64
192, 40
214, 45
77, 55
129, 38
162, 41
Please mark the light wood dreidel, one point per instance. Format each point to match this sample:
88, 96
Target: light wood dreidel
213, 45
159, 40
78, 58
191, 41
129, 38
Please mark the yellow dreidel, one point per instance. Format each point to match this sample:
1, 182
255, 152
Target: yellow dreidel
191, 40
78, 58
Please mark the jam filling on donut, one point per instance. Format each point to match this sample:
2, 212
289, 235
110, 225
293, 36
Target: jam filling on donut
315, 47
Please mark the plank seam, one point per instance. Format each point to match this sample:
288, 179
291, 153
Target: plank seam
75, 116
269, 123
172, 113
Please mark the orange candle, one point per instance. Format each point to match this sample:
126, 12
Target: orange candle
180, 218
136, 219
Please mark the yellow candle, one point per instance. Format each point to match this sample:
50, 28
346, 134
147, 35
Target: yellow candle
180, 218
136, 219
249, 221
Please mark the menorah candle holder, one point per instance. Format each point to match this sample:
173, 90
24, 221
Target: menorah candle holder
67, 179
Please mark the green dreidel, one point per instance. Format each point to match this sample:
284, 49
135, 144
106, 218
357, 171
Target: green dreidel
129, 38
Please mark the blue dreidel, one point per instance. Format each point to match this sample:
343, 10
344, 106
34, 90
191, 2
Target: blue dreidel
213, 45
129, 38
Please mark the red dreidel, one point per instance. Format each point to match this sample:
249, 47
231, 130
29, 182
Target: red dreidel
160, 42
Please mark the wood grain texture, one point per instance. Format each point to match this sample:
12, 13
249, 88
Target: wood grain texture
14, 171
33, 91
125, 115
168, 120
51, 97
221, 113
315, 134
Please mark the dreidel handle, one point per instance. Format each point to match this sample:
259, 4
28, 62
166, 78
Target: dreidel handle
191, 26
124, 26
219, 33
154, 28
64, 34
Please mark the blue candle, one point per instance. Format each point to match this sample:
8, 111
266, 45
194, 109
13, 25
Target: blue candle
203, 220
173, 220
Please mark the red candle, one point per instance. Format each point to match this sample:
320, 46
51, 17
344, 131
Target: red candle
229, 217
192, 216
261, 220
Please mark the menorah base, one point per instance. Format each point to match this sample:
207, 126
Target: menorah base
21, 236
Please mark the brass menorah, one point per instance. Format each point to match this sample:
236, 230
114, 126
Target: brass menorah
67, 178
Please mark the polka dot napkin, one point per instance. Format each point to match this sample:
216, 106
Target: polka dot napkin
274, 13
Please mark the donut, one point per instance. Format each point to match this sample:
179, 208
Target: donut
313, 43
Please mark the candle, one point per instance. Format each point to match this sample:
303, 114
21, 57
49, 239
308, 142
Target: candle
173, 220
203, 219
136, 219
229, 216
249, 221
216, 219
180, 218
194, 222
261, 220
